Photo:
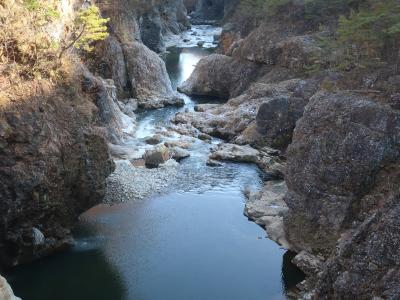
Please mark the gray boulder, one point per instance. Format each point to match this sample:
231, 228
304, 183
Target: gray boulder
151, 85
157, 156
236, 153
221, 76
341, 146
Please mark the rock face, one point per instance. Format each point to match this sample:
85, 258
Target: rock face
367, 261
340, 148
149, 78
267, 209
236, 153
6, 292
54, 163
136, 70
209, 77
157, 156
263, 114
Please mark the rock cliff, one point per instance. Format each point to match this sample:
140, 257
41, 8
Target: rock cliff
126, 56
338, 131
54, 165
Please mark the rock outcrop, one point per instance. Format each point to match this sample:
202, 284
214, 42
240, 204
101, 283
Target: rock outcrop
210, 77
149, 79
54, 162
343, 181
263, 114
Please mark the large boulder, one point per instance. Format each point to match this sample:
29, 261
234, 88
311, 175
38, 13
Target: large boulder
150, 82
221, 76
366, 264
54, 162
342, 152
236, 153
267, 209
113, 64
277, 115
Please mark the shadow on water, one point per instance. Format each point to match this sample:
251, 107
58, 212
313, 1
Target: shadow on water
291, 275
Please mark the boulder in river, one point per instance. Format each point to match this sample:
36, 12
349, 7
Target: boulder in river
156, 156
267, 209
235, 153
154, 140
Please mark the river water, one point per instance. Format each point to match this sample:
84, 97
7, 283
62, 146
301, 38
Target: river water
191, 243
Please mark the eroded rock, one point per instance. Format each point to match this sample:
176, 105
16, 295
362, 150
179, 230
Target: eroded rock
151, 85
267, 209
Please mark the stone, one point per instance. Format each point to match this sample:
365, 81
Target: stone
214, 163
180, 144
235, 153
236, 121
178, 153
308, 263
156, 156
54, 162
204, 136
210, 77
341, 145
200, 43
151, 85
6, 293
267, 209
154, 140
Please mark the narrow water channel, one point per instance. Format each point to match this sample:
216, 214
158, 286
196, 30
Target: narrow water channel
192, 243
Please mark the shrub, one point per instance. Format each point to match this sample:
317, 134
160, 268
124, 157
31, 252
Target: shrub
27, 45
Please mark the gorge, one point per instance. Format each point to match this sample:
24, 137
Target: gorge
126, 173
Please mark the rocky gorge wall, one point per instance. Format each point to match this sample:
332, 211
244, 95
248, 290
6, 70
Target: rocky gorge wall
339, 135
55, 136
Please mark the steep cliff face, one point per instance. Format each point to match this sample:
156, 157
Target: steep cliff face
54, 165
135, 69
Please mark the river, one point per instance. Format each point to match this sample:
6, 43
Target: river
190, 243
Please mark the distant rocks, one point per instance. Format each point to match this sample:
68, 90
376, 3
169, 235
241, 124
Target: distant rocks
154, 140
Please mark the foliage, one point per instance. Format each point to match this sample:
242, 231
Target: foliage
90, 27
371, 32
34, 36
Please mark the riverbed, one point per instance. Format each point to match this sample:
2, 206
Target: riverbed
188, 241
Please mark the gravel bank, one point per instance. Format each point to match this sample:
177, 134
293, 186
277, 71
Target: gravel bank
129, 183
